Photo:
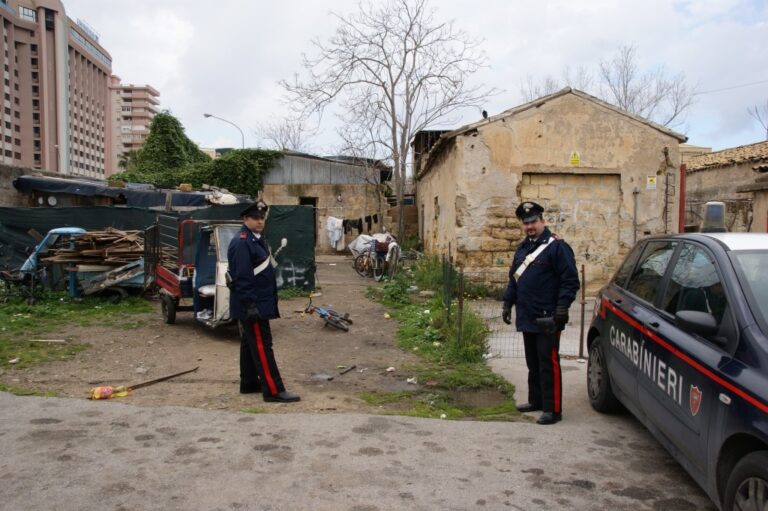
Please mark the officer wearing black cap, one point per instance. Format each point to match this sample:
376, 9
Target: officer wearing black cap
543, 281
253, 301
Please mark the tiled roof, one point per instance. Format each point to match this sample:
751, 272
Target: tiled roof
757, 153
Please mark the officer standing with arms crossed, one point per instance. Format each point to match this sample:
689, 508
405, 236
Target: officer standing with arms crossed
543, 281
253, 301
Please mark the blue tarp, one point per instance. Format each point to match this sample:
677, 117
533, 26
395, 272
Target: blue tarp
132, 197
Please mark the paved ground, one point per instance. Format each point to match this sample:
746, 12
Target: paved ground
74, 454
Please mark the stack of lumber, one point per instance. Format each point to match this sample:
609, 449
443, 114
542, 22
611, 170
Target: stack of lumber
111, 247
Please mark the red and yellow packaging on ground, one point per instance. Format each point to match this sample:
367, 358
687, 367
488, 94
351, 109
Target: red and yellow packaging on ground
108, 392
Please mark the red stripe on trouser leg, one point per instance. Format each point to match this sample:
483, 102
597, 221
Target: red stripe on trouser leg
556, 379
263, 357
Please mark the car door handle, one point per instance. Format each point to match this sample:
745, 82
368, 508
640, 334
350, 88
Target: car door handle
653, 325
616, 301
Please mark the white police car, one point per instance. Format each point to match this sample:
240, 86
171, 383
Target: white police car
680, 338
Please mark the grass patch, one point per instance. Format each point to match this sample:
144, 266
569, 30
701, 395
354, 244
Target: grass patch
454, 380
254, 410
18, 391
291, 292
21, 323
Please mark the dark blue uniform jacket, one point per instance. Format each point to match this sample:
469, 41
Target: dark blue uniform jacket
551, 280
244, 254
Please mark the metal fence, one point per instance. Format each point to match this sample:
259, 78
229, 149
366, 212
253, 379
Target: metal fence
481, 292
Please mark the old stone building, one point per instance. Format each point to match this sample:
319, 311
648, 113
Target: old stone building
348, 189
605, 177
719, 176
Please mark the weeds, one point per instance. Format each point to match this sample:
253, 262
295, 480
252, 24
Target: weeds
22, 322
453, 374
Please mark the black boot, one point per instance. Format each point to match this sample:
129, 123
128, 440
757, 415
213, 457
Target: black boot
549, 418
527, 407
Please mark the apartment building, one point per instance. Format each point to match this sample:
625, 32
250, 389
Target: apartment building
55, 90
132, 108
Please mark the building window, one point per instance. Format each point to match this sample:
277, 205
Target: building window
28, 14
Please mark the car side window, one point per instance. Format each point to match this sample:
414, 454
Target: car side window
695, 284
646, 279
620, 279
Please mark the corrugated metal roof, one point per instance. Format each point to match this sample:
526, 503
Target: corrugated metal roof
743, 154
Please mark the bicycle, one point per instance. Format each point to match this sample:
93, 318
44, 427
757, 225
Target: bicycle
329, 316
378, 263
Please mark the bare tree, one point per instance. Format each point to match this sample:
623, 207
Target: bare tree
653, 95
580, 78
394, 70
760, 114
290, 134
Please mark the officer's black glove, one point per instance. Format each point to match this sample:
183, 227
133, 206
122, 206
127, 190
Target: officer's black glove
253, 312
561, 315
506, 314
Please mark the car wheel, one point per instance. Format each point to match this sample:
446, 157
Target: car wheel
168, 308
747, 487
601, 396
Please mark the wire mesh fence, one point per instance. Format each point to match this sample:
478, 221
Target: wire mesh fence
481, 292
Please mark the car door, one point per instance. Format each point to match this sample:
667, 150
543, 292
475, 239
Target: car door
677, 375
627, 310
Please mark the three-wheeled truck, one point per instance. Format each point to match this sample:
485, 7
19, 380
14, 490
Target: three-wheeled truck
187, 260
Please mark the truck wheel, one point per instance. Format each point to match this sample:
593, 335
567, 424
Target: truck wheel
601, 397
748, 483
168, 307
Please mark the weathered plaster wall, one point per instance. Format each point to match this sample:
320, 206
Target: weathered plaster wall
358, 201
584, 200
719, 184
436, 199
9, 196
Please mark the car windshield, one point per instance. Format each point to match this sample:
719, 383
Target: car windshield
753, 276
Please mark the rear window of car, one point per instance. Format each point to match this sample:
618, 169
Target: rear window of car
645, 280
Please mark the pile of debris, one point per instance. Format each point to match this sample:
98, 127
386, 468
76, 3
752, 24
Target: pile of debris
111, 247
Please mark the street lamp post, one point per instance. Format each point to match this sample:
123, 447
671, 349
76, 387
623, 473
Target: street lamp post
242, 137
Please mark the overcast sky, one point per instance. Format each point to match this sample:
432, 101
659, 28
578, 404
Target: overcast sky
226, 57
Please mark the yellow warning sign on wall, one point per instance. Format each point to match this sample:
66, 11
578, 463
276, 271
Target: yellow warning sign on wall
650, 183
575, 159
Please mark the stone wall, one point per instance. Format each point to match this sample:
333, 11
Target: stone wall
620, 187
357, 202
720, 184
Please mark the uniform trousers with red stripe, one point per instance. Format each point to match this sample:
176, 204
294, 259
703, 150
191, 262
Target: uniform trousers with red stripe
258, 369
542, 356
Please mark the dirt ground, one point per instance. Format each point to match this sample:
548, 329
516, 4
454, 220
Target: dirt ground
305, 350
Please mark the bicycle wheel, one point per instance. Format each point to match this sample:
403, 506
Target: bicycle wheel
336, 323
336, 314
363, 265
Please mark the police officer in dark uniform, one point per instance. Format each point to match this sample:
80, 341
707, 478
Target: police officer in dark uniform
253, 301
543, 281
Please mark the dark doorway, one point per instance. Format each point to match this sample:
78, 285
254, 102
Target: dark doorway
310, 201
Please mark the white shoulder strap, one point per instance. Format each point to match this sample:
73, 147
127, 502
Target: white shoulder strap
263, 266
531, 258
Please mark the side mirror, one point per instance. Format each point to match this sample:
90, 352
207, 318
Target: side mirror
697, 322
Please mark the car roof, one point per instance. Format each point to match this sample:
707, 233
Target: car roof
740, 240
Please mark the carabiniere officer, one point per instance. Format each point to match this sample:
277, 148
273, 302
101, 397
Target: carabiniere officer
253, 301
543, 281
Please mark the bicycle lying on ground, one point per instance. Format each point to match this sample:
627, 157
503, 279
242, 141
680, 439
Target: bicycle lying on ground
378, 261
329, 316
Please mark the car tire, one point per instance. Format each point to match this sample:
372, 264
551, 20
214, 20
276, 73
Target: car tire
601, 396
748, 483
168, 308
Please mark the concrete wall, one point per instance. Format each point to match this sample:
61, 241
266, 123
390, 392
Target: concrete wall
719, 184
9, 196
480, 182
358, 201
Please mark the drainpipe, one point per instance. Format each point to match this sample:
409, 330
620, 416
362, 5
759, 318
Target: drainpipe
681, 219
635, 193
